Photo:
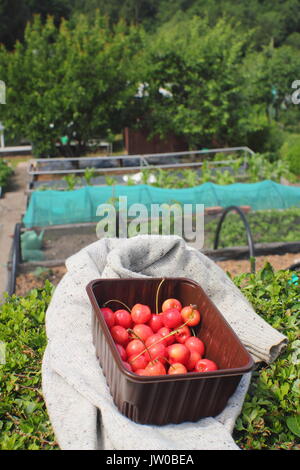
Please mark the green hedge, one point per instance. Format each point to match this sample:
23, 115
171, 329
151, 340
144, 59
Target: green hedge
269, 416
5, 174
290, 152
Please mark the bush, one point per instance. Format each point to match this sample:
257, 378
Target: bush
268, 138
290, 152
24, 423
270, 415
5, 174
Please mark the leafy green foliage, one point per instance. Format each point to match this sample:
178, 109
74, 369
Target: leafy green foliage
24, 423
193, 82
270, 74
14, 15
290, 152
213, 75
266, 227
270, 415
269, 419
5, 174
71, 81
71, 181
271, 19
258, 168
89, 173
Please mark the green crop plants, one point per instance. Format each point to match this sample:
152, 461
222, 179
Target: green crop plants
270, 415
249, 170
110, 180
24, 423
266, 227
89, 173
71, 180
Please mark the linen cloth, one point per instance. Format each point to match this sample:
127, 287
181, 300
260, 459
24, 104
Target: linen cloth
78, 400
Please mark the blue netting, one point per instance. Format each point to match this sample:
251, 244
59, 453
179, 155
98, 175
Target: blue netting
78, 206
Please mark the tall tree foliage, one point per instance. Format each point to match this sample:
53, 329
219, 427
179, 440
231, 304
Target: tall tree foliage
14, 15
71, 80
132, 11
193, 83
272, 19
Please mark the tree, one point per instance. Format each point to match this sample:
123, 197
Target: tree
132, 11
193, 85
69, 81
270, 75
271, 19
14, 15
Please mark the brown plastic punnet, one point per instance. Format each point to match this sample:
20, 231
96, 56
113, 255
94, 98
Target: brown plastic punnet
168, 399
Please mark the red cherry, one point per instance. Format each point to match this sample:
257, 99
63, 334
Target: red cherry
155, 368
177, 368
140, 313
205, 365
155, 322
178, 353
190, 315
122, 352
134, 347
123, 318
156, 351
195, 344
183, 334
128, 366
138, 362
164, 331
142, 331
153, 339
108, 316
141, 372
172, 318
194, 358
171, 303
119, 334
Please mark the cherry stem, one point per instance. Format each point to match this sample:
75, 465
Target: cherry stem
119, 301
167, 360
146, 348
157, 292
162, 339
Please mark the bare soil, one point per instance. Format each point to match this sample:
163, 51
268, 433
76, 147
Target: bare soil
235, 267
60, 244
36, 279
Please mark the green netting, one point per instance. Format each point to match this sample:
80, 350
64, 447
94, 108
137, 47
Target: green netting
31, 246
78, 206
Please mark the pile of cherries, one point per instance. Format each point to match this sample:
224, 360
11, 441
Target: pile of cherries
158, 343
